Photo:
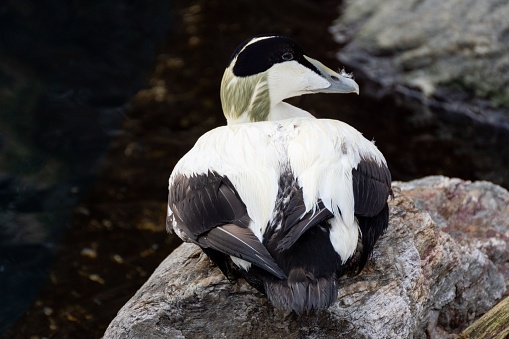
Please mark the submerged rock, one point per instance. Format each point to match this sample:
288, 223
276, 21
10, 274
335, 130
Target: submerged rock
446, 61
419, 282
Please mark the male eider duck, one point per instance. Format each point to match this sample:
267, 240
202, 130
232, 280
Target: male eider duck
288, 201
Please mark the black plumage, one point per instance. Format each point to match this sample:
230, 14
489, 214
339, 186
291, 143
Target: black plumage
209, 210
288, 241
296, 264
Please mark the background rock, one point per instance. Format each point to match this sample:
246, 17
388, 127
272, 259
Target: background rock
420, 282
445, 61
471, 212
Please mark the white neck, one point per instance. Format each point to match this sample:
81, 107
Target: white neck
284, 110
280, 111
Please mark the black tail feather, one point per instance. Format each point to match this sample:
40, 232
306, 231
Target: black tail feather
302, 293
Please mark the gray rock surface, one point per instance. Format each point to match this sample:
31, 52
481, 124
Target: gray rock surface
445, 61
430, 43
420, 282
475, 213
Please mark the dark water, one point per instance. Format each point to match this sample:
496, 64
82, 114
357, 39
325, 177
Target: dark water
68, 72
98, 102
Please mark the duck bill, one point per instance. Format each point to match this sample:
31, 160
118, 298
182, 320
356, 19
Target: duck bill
339, 83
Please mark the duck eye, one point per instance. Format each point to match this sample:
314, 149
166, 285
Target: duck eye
287, 56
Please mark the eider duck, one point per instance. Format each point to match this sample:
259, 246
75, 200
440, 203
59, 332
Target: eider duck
285, 200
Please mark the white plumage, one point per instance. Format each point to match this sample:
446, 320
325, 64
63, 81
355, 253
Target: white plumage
290, 200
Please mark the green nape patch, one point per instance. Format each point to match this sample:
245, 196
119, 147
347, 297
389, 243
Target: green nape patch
251, 96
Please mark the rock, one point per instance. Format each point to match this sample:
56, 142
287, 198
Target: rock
475, 213
420, 282
445, 61
432, 43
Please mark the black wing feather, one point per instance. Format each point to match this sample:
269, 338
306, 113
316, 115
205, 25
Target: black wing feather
203, 202
371, 187
297, 229
241, 243
208, 209
292, 221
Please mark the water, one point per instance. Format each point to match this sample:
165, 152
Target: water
68, 73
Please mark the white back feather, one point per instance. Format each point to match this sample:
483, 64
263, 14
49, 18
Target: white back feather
321, 154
